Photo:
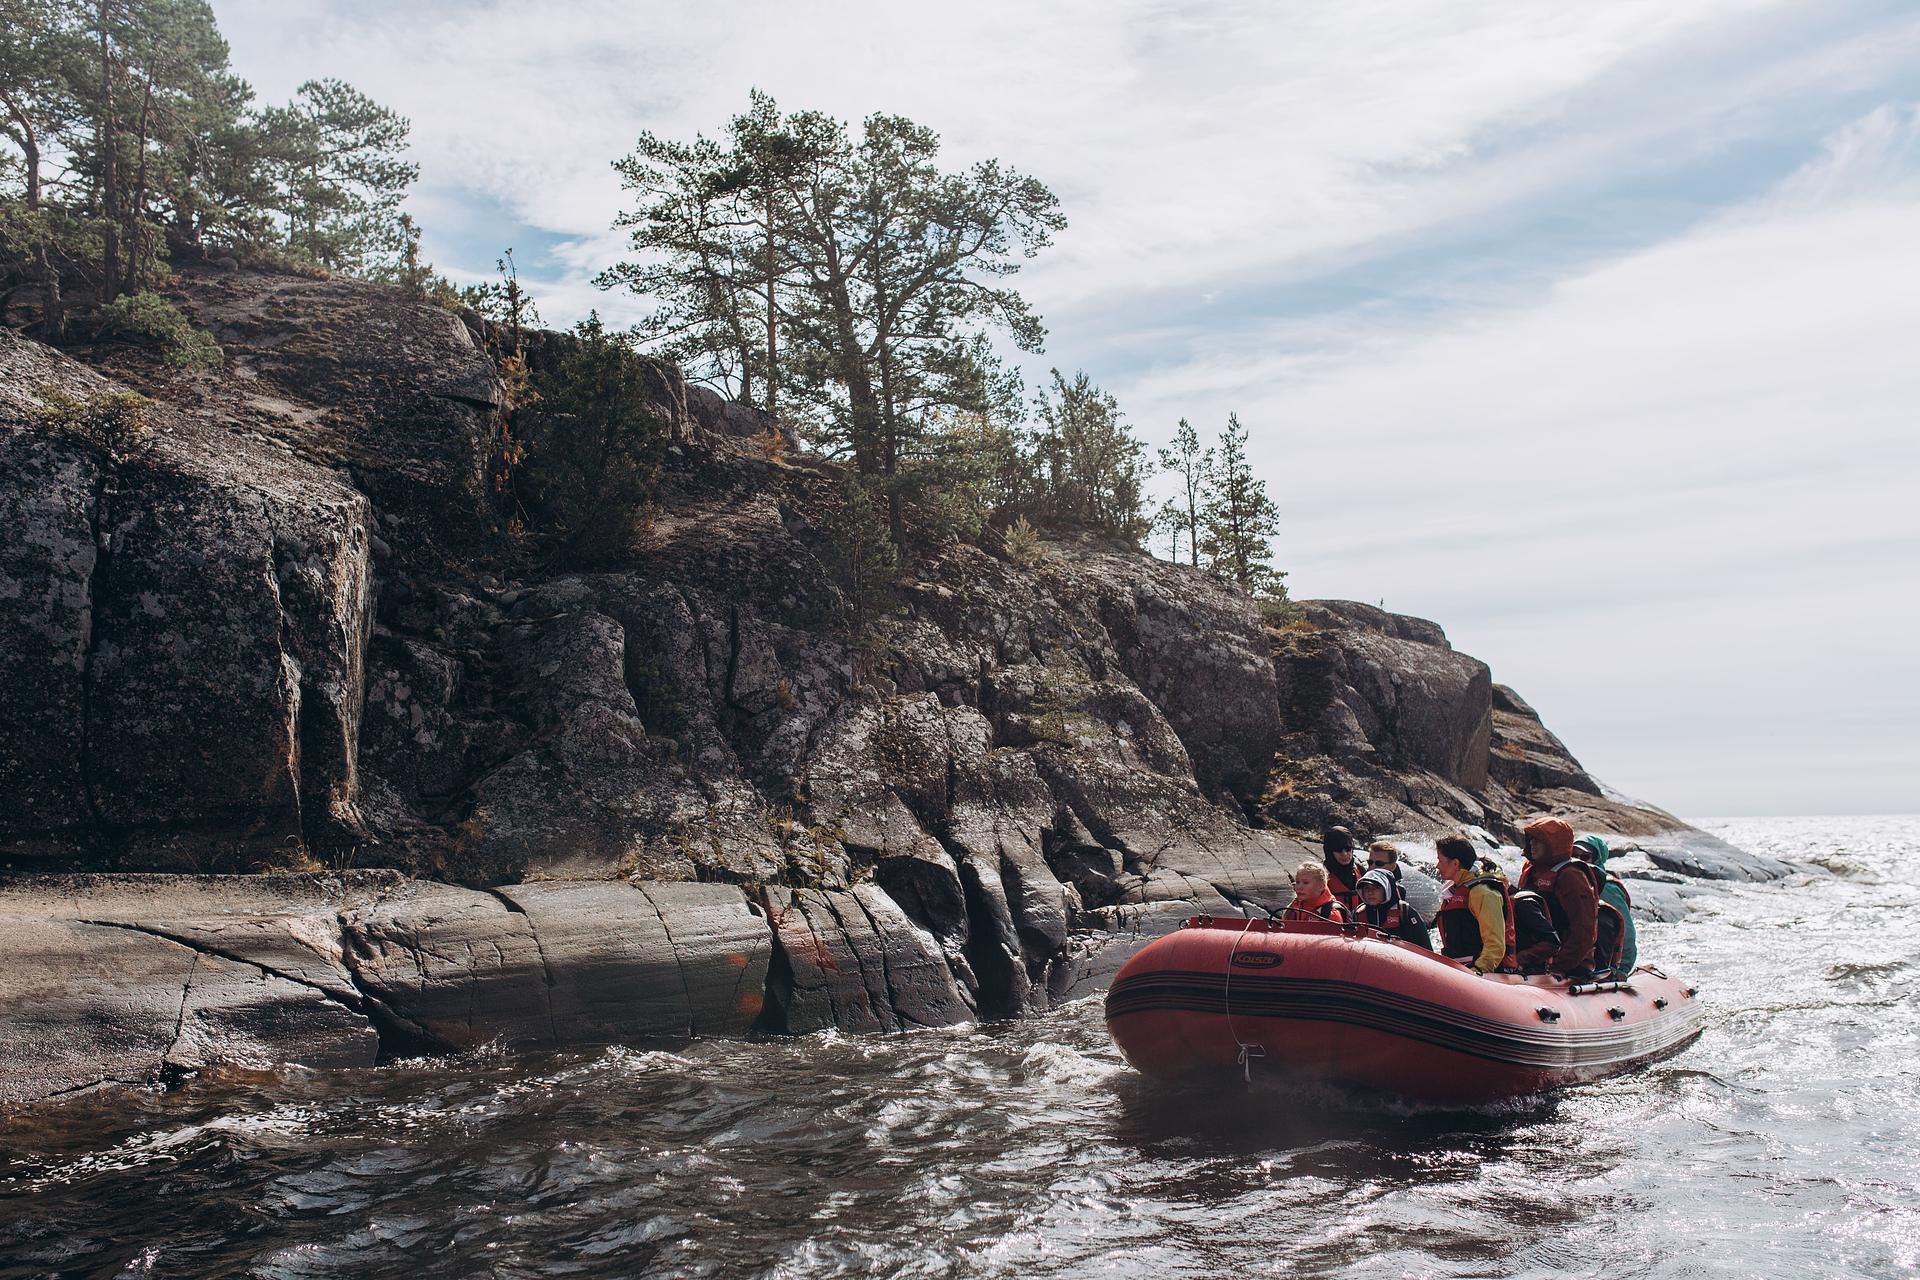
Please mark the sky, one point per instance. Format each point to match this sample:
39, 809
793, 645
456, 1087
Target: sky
1586, 330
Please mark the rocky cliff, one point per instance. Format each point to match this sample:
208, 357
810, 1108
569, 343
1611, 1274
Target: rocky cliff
272, 620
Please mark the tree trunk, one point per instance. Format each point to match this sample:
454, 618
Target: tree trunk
137, 228
109, 178
851, 363
773, 380
890, 443
53, 309
29, 147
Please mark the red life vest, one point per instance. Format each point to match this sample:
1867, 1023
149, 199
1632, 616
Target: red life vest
1343, 881
1388, 922
1328, 908
1456, 920
1540, 880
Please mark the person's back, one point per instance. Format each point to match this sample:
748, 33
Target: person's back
1571, 890
1382, 907
1614, 895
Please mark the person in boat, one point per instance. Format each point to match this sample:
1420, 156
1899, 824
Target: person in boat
1570, 889
1343, 870
1384, 855
1311, 898
1533, 930
1476, 909
1385, 908
1613, 893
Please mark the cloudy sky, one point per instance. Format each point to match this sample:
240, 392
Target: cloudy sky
1588, 330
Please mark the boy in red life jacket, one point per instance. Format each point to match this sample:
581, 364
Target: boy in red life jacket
1570, 889
1476, 910
1311, 901
1343, 872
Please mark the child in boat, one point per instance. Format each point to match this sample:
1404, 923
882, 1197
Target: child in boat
1384, 907
1311, 900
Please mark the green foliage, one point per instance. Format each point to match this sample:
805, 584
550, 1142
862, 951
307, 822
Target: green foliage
1237, 519
123, 117
863, 562
116, 421
1021, 542
505, 302
1276, 607
593, 457
149, 319
881, 271
337, 156
1088, 460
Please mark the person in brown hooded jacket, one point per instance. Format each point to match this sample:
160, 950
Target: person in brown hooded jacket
1567, 884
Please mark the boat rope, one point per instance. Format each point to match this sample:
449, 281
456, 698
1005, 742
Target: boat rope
1248, 1052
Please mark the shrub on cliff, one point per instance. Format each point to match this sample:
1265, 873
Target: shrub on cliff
115, 421
150, 320
594, 448
863, 561
1022, 543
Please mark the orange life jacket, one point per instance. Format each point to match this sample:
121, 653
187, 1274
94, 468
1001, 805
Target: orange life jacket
1327, 908
1460, 928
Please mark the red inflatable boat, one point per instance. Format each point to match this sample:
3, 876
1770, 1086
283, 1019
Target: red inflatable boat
1343, 1004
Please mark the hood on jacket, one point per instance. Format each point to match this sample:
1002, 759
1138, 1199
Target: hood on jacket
1556, 834
1598, 847
1383, 878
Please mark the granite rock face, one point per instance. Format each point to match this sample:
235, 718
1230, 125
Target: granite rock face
185, 631
664, 793
131, 979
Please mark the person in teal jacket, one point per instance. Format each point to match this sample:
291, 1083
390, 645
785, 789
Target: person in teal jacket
1594, 849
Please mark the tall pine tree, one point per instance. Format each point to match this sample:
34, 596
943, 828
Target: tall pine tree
1180, 514
1237, 519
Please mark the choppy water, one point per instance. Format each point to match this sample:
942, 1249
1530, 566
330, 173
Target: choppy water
1785, 1143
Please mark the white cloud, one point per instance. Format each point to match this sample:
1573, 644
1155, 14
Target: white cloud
1668, 492
1188, 141
1686, 482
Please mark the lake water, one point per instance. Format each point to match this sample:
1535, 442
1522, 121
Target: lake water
1786, 1142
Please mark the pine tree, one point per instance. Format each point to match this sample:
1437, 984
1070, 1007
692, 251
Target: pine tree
42, 49
1089, 459
342, 173
884, 270
1237, 519
1180, 513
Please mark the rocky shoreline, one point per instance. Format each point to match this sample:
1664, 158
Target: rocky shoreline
118, 979
277, 621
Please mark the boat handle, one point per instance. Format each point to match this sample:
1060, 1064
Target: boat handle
1549, 1015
